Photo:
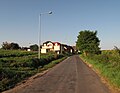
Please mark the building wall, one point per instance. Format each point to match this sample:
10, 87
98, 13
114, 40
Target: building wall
47, 47
56, 48
43, 50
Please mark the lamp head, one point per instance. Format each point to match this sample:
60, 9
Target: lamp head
50, 12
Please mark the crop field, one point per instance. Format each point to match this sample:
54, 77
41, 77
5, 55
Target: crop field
108, 63
16, 65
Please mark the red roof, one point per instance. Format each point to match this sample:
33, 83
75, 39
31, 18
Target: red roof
56, 43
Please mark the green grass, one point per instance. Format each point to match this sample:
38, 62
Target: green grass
15, 53
53, 63
15, 66
108, 64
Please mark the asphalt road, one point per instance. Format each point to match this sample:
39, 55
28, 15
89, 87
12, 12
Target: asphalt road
70, 76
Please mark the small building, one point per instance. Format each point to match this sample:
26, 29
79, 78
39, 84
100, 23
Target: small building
28, 49
25, 49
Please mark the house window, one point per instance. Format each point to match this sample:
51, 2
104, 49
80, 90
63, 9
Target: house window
44, 44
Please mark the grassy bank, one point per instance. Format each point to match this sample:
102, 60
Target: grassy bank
108, 64
15, 66
52, 64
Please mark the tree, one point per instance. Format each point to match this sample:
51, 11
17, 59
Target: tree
34, 47
14, 46
10, 46
6, 45
88, 42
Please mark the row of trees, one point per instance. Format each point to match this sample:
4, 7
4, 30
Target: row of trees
10, 46
15, 46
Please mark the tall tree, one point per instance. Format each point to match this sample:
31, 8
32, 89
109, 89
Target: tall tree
88, 42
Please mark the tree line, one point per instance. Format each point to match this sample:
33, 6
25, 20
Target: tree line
15, 46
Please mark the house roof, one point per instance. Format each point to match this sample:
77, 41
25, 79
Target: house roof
56, 42
52, 42
47, 42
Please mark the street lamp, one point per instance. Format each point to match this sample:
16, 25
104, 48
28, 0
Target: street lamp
39, 33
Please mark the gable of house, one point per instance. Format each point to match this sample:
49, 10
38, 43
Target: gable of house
47, 45
57, 46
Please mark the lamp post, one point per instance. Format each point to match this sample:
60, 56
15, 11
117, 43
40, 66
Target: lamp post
39, 33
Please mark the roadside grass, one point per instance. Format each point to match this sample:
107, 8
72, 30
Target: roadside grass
52, 64
108, 65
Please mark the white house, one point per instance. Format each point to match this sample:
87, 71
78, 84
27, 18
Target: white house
47, 46
56, 47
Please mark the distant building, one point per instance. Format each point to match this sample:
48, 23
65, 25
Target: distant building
28, 49
75, 49
56, 47
25, 49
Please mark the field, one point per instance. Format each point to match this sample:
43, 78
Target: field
108, 64
16, 65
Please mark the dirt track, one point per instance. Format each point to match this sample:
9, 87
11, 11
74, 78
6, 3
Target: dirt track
70, 76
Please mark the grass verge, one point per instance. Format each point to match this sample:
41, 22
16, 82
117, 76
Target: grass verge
106, 68
52, 64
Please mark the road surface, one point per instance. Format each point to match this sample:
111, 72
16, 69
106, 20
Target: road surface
70, 76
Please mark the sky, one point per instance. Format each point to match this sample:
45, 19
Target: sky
19, 21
